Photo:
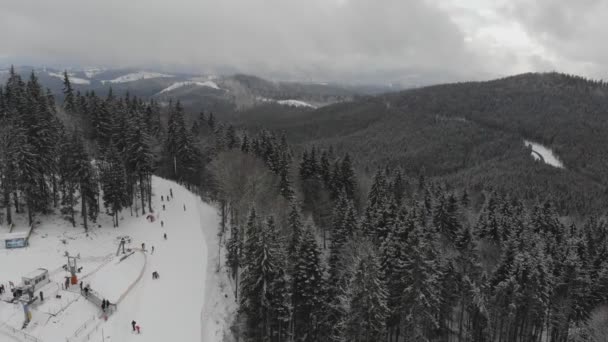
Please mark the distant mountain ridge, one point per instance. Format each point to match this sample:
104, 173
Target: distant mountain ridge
221, 94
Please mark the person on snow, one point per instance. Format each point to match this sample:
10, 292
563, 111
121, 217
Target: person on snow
67, 282
152, 250
162, 224
143, 246
171, 192
163, 207
137, 328
133, 323
162, 198
165, 236
184, 207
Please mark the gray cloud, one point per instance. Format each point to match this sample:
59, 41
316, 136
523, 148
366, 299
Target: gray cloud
317, 39
572, 32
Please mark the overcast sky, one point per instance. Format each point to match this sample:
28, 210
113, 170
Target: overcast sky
321, 40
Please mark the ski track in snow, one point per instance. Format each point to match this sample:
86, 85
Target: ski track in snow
190, 301
547, 155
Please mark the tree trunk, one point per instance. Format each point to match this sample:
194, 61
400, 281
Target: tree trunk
7, 203
71, 207
16, 198
150, 193
84, 210
54, 190
30, 214
143, 194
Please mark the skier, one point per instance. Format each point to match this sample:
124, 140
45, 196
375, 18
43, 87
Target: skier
163, 207
143, 246
41, 296
133, 325
162, 198
171, 192
162, 224
152, 250
137, 328
184, 207
67, 282
165, 236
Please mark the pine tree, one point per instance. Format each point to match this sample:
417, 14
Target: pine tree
232, 140
308, 288
285, 187
114, 183
366, 319
69, 102
245, 146
348, 179
421, 295
264, 294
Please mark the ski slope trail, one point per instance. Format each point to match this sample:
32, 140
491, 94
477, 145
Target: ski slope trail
168, 308
191, 301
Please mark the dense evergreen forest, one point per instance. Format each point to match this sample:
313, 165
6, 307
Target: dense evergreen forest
471, 135
317, 250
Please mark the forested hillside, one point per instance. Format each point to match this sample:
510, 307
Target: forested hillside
457, 235
472, 134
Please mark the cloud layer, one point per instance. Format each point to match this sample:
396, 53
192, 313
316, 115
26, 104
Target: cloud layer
351, 40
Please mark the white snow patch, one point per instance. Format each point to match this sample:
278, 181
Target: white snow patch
142, 75
74, 80
540, 152
176, 85
92, 72
291, 102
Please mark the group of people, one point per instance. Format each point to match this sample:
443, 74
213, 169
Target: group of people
155, 274
85, 289
104, 304
135, 326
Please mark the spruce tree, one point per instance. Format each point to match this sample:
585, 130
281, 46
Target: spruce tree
368, 311
308, 288
69, 102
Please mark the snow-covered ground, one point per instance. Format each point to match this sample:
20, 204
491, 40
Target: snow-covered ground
74, 80
141, 75
291, 102
190, 301
540, 152
176, 85
92, 71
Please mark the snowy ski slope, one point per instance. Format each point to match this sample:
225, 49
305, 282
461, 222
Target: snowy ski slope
190, 301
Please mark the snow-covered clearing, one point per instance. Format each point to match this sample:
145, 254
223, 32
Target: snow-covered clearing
141, 75
74, 80
92, 72
208, 84
540, 152
190, 301
291, 102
